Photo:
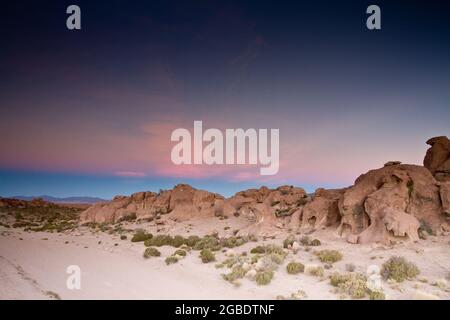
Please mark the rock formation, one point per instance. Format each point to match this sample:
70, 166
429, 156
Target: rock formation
322, 211
394, 201
437, 158
183, 202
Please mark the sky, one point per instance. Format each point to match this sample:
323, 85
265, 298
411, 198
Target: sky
90, 112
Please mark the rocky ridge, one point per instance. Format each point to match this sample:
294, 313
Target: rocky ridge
395, 202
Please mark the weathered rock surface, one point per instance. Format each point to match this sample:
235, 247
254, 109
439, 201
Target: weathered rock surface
394, 201
322, 211
408, 189
183, 202
437, 158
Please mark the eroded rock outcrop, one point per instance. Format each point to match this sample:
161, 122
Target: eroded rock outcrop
407, 189
322, 211
182, 202
437, 158
392, 202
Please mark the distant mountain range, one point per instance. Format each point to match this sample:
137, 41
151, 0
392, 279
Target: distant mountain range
62, 200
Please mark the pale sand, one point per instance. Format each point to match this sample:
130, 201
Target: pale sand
34, 268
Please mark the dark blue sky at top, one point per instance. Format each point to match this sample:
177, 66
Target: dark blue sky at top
268, 42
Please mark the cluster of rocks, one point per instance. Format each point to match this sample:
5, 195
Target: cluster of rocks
398, 200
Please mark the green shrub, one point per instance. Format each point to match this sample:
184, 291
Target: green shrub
264, 277
315, 243
317, 271
295, 267
277, 258
180, 252
268, 249
232, 242
238, 272
207, 256
329, 256
399, 269
178, 241
377, 295
353, 284
159, 240
208, 242
191, 241
258, 249
141, 236
171, 260
151, 252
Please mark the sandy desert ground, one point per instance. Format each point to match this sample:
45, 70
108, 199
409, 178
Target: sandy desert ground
33, 266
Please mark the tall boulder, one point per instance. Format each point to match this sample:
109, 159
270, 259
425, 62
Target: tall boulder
437, 158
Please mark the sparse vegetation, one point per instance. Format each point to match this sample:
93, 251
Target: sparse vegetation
295, 267
208, 242
123, 237
399, 269
329, 256
141, 235
377, 295
232, 242
264, 277
151, 252
159, 240
353, 284
207, 256
171, 260
237, 272
180, 252
38, 215
316, 271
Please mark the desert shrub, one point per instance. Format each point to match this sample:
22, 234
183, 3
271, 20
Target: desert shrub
295, 267
207, 255
315, 243
276, 258
329, 256
233, 242
231, 261
159, 240
399, 269
237, 272
180, 252
316, 271
191, 241
123, 237
141, 235
151, 252
171, 260
288, 241
353, 284
264, 277
208, 242
377, 295
178, 241
258, 250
